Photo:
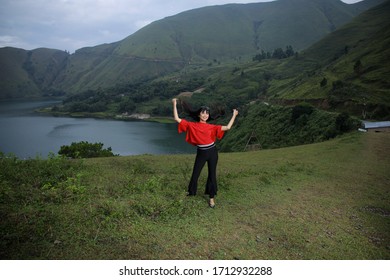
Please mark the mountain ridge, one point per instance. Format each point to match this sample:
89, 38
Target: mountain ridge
171, 43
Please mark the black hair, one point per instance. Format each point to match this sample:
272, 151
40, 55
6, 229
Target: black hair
203, 109
194, 114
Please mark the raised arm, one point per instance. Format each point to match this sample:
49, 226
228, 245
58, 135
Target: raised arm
175, 114
230, 124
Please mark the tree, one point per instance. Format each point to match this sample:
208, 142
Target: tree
300, 110
344, 123
357, 67
260, 56
126, 106
278, 53
85, 149
289, 51
324, 82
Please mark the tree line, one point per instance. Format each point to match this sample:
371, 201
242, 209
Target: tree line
127, 98
278, 53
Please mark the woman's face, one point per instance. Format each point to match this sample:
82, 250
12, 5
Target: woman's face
204, 116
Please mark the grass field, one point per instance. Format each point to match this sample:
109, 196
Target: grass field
329, 200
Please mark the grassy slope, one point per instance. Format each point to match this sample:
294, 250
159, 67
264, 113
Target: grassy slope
235, 28
322, 201
44, 65
15, 82
367, 39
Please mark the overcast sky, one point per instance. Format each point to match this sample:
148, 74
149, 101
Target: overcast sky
73, 24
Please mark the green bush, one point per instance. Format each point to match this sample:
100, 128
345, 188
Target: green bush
301, 110
85, 149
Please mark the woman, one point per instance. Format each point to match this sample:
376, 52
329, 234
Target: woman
203, 135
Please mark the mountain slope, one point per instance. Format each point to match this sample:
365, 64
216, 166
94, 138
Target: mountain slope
238, 32
29, 73
349, 67
14, 81
231, 32
347, 71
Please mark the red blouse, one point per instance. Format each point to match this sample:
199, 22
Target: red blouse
200, 133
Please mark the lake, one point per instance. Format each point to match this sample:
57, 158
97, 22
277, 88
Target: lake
27, 134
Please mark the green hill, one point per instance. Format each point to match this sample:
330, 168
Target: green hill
15, 81
238, 32
347, 70
30, 73
313, 202
218, 33
233, 31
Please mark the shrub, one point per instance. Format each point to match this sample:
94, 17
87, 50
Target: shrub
85, 149
344, 123
300, 110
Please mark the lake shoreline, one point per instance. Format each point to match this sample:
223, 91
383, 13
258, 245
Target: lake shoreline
29, 128
106, 116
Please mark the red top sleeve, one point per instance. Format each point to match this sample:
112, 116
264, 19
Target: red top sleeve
198, 133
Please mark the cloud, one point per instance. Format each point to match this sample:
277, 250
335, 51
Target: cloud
15, 41
7, 40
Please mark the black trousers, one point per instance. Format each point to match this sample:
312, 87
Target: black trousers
202, 156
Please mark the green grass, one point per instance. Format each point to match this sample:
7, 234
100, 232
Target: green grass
321, 201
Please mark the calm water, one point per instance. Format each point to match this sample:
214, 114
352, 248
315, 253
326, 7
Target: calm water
26, 134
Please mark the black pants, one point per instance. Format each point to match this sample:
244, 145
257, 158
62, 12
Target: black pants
202, 156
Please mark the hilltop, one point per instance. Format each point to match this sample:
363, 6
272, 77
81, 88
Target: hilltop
322, 201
